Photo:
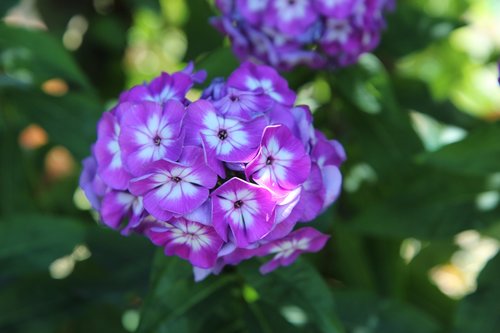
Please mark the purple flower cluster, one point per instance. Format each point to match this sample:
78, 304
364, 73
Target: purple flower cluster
315, 33
218, 180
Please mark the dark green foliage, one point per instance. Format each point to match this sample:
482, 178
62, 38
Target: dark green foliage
480, 312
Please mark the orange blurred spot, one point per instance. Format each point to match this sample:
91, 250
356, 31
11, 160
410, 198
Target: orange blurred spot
492, 116
33, 137
59, 163
55, 87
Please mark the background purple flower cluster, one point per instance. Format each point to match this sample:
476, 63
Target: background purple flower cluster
315, 33
218, 180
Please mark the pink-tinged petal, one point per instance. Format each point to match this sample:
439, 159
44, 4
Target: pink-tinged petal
197, 77
189, 240
91, 183
150, 132
180, 198
287, 261
332, 178
312, 197
303, 120
161, 89
231, 140
282, 163
281, 115
327, 152
287, 249
286, 204
339, 9
252, 10
291, 17
157, 211
191, 156
157, 232
240, 167
213, 163
239, 255
282, 229
116, 206
109, 155
174, 187
200, 115
202, 273
245, 210
243, 105
137, 214
251, 77
269, 266
135, 94
216, 90
202, 214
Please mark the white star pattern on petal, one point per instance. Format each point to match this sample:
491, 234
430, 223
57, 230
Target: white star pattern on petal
287, 248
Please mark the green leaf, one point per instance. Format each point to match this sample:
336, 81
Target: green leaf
262, 317
220, 63
421, 291
5, 5
38, 56
176, 303
364, 312
32, 242
297, 288
473, 155
13, 174
70, 120
414, 94
411, 29
199, 15
480, 311
374, 128
432, 204
82, 302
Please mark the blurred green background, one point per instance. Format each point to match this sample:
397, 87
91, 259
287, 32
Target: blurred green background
415, 233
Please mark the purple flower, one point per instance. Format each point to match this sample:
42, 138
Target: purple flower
291, 17
172, 188
118, 206
328, 155
216, 90
108, 153
243, 208
165, 87
219, 180
150, 132
229, 139
252, 10
91, 182
312, 198
281, 163
243, 105
287, 249
250, 77
335, 8
314, 33
189, 240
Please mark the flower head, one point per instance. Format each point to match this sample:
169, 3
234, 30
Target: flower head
219, 180
314, 33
